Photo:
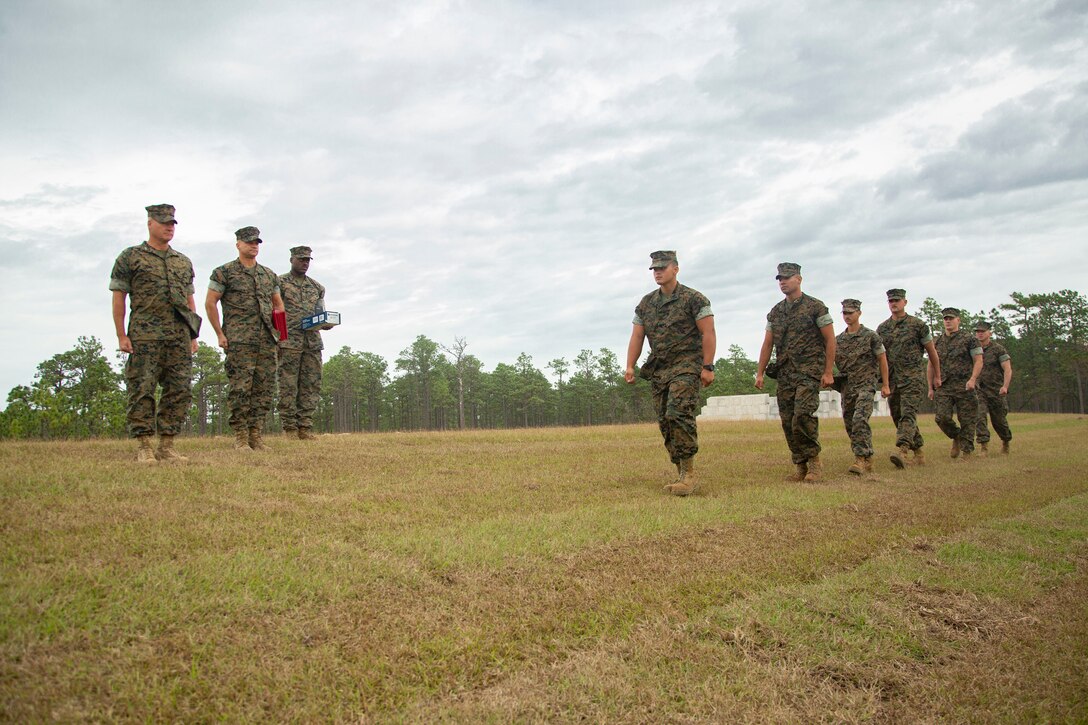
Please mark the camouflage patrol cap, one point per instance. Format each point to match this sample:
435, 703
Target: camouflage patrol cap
982, 326
851, 305
162, 213
897, 294
787, 270
301, 252
950, 312
662, 259
248, 234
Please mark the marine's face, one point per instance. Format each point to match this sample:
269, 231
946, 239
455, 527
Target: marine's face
789, 285
951, 324
299, 265
159, 231
983, 336
851, 318
665, 275
248, 250
897, 306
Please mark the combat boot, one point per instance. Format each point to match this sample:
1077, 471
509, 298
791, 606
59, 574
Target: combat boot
815, 469
145, 453
290, 433
862, 464
919, 457
955, 448
241, 440
306, 434
685, 486
1005, 447
167, 452
900, 458
983, 450
256, 441
799, 472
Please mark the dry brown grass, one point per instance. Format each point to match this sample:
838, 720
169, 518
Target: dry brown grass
541, 575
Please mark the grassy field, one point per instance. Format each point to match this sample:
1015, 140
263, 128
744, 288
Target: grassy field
542, 575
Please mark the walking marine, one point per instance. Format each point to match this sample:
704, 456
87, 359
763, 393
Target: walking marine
993, 387
800, 331
859, 356
161, 336
249, 293
953, 390
905, 337
679, 324
300, 353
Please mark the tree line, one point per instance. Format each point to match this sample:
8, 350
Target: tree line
434, 386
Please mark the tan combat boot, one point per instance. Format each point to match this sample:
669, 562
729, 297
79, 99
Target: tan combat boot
1005, 447
900, 458
290, 433
688, 479
955, 453
241, 440
305, 434
167, 452
919, 458
256, 441
800, 470
145, 453
862, 465
815, 469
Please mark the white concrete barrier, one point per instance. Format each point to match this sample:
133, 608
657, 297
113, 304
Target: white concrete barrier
765, 407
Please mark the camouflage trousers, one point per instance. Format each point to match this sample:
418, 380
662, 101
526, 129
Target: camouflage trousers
676, 401
857, 408
300, 387
166, 363
953, 397
997, 405
251, 370
907, 396
798, 400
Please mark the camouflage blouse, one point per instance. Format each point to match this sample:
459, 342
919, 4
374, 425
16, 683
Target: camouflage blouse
905, 341
856, 355
676, 345
300, 297
798, 341
957, 354
157, 283
247, 302
992, 376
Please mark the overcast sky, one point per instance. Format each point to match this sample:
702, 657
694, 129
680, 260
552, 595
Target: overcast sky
500, 171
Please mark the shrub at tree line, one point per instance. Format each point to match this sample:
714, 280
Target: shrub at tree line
79, 394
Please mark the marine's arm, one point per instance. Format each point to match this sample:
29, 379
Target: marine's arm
119, 300
764, 357
211, 303
634, 349
710, 343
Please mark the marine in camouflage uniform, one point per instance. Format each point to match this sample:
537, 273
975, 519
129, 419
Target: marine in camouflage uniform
961, 363
992, 389
860, 357
249, 292
161, 334
799, 330
679, 324
300, 353
905, 338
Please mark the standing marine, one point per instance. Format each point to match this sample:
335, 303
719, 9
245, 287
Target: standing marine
161, 337
961, 363
859, 356
905, 338
679, 324
249, 293
800, 332
993, 389
300, 353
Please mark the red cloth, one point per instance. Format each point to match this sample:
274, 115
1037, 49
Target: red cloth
279, 319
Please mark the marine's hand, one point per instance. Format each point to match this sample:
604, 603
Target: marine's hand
931, 393
759, 381
193, 346
827, 380
222, 341
1004, 390
970, 384
629, 375
885, 391
707, 376
124, 343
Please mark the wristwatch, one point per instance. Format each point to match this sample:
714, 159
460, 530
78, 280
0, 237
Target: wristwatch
708, 367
